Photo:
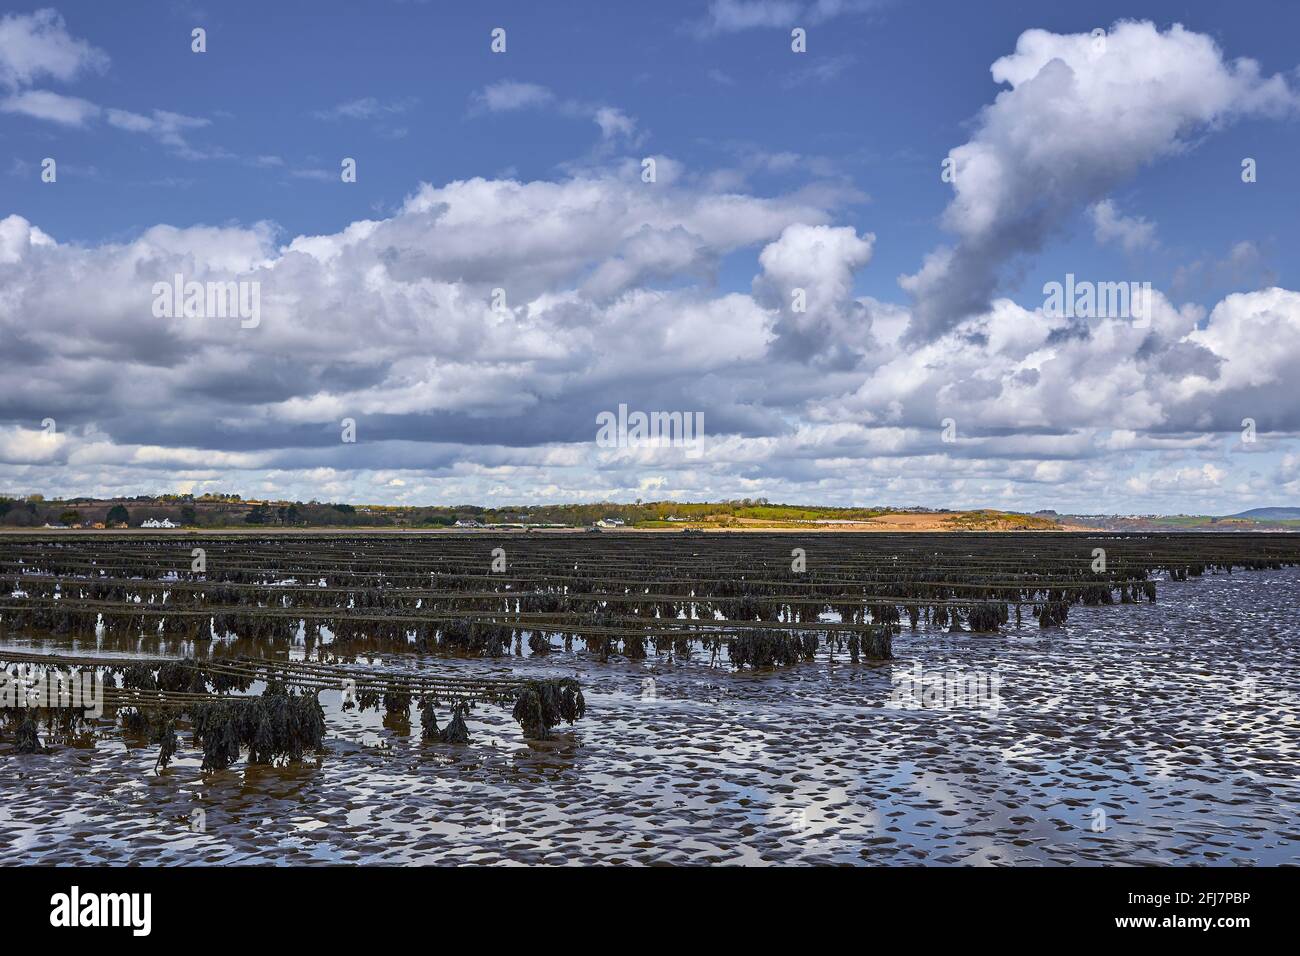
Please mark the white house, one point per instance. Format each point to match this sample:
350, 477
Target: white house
155, 523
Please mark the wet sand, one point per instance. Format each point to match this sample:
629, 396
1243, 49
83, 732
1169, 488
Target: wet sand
1139, 734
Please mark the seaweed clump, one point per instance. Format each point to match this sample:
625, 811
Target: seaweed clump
480, 638
60, 723
456, 731
542, 704
181, 676
763, 648
165, 737
985, 618
139, 677
878, 645
134, 721
1053, 614
429, 721
277, 725
26, 739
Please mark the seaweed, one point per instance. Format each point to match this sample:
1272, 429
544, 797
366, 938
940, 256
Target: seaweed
542, 704
139, 677
181, 676
456, 732
134, 721
276, 725
165, 737
985, 618
1052, 614
429, 720
397, 701
26, 739
764, 648
878, 645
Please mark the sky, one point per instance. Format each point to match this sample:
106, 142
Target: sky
838, 258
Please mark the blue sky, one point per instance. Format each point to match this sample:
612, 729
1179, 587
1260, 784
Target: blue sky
246, 139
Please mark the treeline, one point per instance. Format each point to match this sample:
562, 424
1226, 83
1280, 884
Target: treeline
228, 510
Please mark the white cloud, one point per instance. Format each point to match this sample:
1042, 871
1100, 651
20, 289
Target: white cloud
29, 445
364, 108
51, 107
733, 16
612, 294
621, 311
1131, 233
807, 277
37, 46
1257, 334
17, 235
614, 123
1078, 118
166, 127
508, 96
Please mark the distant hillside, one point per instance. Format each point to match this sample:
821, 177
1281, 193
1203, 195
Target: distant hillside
1269, 514
233, 511
986, 520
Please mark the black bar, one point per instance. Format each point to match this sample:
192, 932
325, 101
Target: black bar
931, 905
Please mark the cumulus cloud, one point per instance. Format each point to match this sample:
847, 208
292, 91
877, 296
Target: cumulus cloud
1081, 115
585, 318
37, 46
475, 333
807, 275
829, 403
17, 235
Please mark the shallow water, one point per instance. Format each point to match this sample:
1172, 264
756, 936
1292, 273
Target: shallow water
1139, 734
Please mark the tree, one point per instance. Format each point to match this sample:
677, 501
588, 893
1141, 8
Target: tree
259, 515
189, 516
70, 516
118, 515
